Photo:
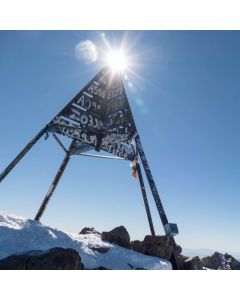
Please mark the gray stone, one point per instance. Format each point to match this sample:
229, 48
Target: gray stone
162, 251
233, 263
193, 263
101, 268
138, 246
118, 236
100, 249
156, 240
159, 245
213, 261
52, 259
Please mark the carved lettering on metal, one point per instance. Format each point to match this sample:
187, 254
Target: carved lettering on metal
99, 116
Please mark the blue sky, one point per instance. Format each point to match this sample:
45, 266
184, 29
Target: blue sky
186, 106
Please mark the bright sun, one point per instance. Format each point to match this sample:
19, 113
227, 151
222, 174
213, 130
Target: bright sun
117, 61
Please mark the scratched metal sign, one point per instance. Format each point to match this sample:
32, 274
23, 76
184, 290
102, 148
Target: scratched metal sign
99, 117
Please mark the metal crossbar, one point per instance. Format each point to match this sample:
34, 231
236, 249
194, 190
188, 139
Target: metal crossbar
59, 142
101, 156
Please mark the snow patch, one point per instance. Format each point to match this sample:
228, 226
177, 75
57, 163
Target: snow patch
19, 235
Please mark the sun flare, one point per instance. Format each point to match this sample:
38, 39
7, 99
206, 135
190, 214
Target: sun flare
117, 61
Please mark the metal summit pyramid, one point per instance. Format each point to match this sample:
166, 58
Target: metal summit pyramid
99, 118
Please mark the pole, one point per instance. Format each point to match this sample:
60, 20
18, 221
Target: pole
55, 181
22, 154
144, 194
152, 184
101, 156
162, 214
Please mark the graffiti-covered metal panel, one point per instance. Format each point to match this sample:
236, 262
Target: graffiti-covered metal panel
121, 149
81, 148
99, 116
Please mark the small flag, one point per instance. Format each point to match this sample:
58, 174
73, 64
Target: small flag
133, 165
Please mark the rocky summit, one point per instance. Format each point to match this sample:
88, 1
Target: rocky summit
52, 259
27, 244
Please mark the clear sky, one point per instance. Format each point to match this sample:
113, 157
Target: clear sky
185, 100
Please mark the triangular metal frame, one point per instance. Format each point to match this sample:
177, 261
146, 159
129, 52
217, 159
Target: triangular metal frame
169, 228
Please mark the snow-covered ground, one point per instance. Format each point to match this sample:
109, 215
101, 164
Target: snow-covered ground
18, 234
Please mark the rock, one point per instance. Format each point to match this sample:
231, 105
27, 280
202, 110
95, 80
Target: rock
118, 236
101, 249
156, 240
52, 259
193, 263
213, 261
221, 261
233, 263
89, 230
178, 249
101, 268
138, 246
182, 259
130, 266
164, 252
159, 245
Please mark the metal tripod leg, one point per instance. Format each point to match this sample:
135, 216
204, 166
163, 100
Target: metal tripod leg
55, 181
22, 153
144, 194
157, 199
151, 182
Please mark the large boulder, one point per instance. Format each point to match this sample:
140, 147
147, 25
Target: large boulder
214, 261
192, 263
159, 245
156, 240
118, 236
138, 246
52, 259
